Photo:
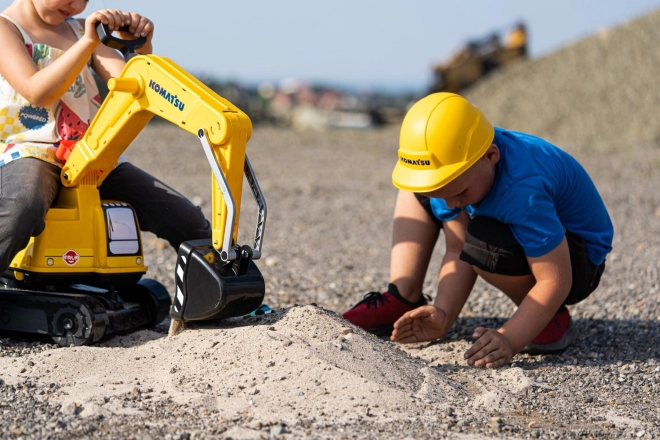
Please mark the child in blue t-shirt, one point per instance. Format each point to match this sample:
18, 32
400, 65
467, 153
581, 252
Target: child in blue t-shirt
516, 211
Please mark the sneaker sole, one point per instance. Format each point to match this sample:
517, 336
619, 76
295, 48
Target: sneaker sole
566, 340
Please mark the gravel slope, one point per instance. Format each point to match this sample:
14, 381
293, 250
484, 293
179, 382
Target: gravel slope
601, 91
330, 203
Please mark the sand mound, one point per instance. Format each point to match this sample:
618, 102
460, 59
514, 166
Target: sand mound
295, 362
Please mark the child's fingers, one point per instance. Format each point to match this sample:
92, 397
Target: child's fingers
492, 359
487, 350
478, 332
421, 312
490, 350
401, 335
482, 352
406, 334
135, 22
112, 18
406, 340
408, 317
98, 16
483, 340
498, 363
90, 24
402, 321
143, 27
126, 18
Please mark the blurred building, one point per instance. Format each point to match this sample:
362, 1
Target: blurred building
303, 106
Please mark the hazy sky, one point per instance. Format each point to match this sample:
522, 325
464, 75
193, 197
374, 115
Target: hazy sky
378, 43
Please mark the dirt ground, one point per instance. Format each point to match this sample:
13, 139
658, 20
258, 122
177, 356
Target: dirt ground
303, 371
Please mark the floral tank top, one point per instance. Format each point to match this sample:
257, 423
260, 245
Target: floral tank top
30, 131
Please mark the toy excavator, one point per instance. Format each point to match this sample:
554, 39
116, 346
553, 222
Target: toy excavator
80, 280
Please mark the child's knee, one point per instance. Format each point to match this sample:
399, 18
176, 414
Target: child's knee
25, 216
16, 228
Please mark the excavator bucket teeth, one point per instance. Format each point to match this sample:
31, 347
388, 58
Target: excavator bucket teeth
209, 289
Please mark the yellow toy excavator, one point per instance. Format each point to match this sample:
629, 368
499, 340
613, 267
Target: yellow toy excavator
80, 279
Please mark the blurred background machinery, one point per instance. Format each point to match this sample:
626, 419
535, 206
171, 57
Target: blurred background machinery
480, 57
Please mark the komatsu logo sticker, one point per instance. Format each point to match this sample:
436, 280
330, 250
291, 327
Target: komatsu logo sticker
71, 257
416, 162
172, 99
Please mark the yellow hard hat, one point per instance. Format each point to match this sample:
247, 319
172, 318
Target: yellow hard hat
442, 135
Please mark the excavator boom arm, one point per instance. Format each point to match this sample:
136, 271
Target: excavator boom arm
152, 85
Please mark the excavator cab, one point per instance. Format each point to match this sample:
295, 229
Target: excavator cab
82, 279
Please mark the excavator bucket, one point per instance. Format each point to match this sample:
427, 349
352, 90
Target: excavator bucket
220, 283
208, 289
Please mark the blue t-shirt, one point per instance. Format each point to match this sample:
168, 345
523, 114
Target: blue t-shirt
541, 191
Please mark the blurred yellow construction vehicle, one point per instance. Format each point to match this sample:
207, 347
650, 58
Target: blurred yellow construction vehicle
478, 58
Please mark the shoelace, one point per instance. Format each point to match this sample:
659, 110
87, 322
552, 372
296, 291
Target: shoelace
374, 299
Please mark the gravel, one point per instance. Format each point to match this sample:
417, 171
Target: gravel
327, 242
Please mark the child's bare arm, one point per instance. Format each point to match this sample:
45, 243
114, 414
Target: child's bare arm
457, 277
44, 87
456, 281
40, 87
553, 282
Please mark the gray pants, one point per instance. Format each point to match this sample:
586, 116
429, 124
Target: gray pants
28, 188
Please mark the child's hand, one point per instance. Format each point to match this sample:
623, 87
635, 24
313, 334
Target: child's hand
425, 323
139, 26
113, 18
491, 349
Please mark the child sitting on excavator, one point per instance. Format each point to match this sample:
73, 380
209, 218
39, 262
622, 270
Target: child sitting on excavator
47, 95
516, 211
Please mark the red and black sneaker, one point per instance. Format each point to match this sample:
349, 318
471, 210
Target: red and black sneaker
556, 336
378, 312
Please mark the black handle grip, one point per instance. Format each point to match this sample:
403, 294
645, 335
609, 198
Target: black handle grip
126, 47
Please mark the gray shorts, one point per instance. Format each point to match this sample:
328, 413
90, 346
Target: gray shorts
491, 246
